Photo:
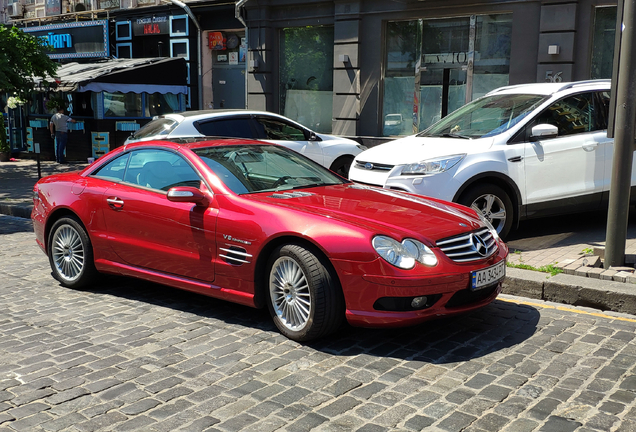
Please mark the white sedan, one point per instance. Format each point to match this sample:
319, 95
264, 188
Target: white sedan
333, 152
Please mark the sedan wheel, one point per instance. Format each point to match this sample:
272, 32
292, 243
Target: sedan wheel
305, 301
493, 203
70, 253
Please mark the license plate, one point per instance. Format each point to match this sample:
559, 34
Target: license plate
488, 276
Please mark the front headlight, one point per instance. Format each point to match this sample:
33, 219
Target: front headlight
403, 255
432, 166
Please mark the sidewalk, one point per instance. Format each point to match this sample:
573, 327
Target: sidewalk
563, 241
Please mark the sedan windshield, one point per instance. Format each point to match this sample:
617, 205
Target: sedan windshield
485, 117
258, 168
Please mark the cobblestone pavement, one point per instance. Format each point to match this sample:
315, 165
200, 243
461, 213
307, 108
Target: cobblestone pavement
129, 355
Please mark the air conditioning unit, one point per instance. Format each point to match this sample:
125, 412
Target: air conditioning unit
15, 10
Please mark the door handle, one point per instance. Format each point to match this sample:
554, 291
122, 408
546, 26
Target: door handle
115, 203
515, 159
590, 147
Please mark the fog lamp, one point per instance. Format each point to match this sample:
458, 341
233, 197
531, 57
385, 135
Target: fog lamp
418, 302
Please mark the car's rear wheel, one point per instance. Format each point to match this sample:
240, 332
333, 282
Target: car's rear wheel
493, 203
305, 300
71, 253
341, 166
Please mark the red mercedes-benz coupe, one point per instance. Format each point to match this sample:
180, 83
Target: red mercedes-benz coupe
261, 225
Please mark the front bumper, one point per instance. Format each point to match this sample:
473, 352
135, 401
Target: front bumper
449, 283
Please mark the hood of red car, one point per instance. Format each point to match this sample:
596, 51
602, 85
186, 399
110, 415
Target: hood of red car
380, 210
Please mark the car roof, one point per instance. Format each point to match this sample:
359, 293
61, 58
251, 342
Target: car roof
548, 89
205, 114
196, 142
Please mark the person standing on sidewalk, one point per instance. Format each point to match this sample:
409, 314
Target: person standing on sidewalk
59, 132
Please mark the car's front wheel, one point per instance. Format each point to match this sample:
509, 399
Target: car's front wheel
341, 166
71, 253
305, 300
493, 203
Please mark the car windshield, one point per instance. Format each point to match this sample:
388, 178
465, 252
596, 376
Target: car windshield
160, 126
485, 117
259, 168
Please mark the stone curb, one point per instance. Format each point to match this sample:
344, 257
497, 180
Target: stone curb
573, 290
17, 210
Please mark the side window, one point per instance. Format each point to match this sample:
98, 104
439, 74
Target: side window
278, 130
160, 169
113, 170
572, 115
234, 128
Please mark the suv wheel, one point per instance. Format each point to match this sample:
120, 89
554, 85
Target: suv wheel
493, 203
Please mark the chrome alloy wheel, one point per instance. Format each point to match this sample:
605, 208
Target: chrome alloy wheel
492, 208
68, 253
289, 293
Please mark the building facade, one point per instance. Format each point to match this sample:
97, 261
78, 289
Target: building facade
376, 68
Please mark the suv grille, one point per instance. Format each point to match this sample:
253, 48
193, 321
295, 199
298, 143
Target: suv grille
469, 247
373, 166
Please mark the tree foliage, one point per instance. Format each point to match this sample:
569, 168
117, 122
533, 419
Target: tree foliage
22, 57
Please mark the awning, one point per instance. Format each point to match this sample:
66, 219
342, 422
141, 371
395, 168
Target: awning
138, 75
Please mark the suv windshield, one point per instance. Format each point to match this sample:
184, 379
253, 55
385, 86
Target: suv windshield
484, 117
160, 126
259, 168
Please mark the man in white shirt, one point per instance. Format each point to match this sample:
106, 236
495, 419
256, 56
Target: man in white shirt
59, 132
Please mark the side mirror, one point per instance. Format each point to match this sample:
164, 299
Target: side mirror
187, 194
314, 137
543, 131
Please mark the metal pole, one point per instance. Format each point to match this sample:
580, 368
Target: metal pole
617, 216
196, 23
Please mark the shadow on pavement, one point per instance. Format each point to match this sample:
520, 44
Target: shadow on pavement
12, 225
497, 326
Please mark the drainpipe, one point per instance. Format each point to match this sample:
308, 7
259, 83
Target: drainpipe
196, 23
239, 16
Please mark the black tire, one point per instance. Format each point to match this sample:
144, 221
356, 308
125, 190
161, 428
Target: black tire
71, 253
306, 305
341, 166
491, 201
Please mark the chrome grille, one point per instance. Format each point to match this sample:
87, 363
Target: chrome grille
472, 246
373, 166
235, 255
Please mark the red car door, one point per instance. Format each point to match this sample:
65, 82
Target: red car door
146, 230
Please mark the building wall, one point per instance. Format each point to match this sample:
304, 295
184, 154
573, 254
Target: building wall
360, 38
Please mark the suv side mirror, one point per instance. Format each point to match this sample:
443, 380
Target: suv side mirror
187, 194
543, 131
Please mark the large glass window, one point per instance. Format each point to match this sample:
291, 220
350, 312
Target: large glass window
603, 44
399, 78
306, 76
122, 105
461, 59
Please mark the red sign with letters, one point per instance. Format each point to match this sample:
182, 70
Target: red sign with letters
216, 41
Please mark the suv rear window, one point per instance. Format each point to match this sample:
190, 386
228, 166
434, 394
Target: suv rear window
161, 126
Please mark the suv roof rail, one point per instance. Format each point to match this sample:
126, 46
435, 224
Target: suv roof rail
582, 83
564, 87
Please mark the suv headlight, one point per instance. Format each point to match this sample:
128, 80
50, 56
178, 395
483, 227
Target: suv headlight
403, 255
432, 166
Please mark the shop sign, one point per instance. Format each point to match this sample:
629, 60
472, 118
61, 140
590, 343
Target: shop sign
449, 58
87, 39
216, 41
150, 26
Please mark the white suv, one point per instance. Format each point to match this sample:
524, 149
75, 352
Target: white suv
519, 152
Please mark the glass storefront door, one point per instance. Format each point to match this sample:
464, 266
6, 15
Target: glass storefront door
459, 59
306, 76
